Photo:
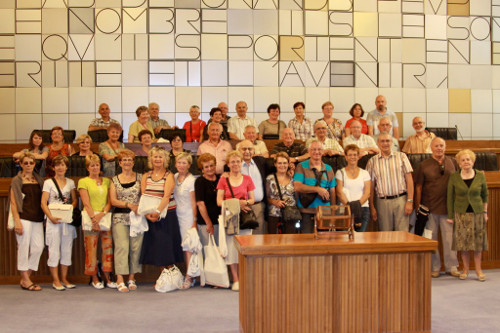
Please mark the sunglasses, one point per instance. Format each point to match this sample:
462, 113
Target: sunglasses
441, 169
29, 163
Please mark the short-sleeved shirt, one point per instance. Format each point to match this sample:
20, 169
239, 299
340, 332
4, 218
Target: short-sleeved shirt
98, 195
364, 127
388, 173
395, 143
39, 151
240, 192
236, 125
335, 129
415, 144
266, 128
108, 167
328, 144
287, 193
364, 141
193, 132
99, 122
219, 151
374, 116
258, 146
206, 190
434, 182
305, 175
353, 188
51, 189
136, 127
158, 122
303, 131
295, 150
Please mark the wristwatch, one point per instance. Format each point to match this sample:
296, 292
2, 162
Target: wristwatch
296, 159
410, 200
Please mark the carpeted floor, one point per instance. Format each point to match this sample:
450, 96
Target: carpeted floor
457, 306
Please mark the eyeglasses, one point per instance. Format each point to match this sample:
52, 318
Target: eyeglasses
321, 128
29, 163
247, 148
441, 169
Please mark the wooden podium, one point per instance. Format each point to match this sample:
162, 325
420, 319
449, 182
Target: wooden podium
378, 282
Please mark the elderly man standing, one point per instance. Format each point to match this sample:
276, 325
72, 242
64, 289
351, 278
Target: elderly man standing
365, 143
313, 179
391, 178
380, 111
330, 146
419, 143
296, 151
154, 118
104, 121
255, 167
215, 146
431, 184
260, 148
384, 126
302, 127
236, 125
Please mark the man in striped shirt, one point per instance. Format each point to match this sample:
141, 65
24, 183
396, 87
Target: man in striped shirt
392, 185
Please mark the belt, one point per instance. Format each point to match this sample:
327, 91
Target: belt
393, 196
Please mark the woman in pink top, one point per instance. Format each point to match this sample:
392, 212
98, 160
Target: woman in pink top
243, 187
194, 128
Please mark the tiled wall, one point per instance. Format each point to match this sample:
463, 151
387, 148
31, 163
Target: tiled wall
59, 59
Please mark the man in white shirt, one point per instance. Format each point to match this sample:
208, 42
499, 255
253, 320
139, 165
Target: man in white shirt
330, 146
380, 111
365, 143
260, 148
255, 167
236, 125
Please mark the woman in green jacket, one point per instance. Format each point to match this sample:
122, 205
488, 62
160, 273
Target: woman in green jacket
468, 211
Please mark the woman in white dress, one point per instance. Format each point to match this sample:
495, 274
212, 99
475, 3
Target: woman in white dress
186, 201
59, 236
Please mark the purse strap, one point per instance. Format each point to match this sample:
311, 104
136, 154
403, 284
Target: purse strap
230, 188
278, 186
61, 196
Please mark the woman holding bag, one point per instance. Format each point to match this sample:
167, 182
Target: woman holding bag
59, 235
95, 198
25, 198
280, 197
241, 187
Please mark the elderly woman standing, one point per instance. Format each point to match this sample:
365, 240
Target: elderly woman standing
243, 189
59, 236
185, 198
109, 149
84, 142
468, 211
285, 183
94, 191
194, 127
124, 194
335, 129
162, 242
142, 123
25, 198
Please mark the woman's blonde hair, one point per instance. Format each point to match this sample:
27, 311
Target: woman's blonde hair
92, 159
158, 150
26, 155
465, 152
233, 153
186, 156
82, 138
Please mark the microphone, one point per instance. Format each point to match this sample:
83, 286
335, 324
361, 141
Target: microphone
458, 131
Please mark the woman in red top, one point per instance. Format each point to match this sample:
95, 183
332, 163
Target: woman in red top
58, 147
194, 128
356, 112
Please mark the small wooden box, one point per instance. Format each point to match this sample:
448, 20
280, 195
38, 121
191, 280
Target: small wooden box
333, 220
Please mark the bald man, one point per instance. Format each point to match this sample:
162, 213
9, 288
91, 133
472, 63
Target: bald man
236, 125
380, 111
104, 121
420, 142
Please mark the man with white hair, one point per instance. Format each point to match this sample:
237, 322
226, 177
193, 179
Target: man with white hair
215, 146
224, 109
419, 143
104, 121
330, 146
365, 143
296, 151
380, 111
236, 125
384, 126
154, 118
260, 148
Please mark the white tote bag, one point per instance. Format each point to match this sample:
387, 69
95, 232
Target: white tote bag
170, 279
104, 223
11, 223
148, 205
62, 211
222, 236
215, 267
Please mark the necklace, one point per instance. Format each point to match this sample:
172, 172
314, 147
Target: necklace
28, 178
179, 183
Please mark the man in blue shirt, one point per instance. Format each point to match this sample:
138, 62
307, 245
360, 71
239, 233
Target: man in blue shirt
313, 179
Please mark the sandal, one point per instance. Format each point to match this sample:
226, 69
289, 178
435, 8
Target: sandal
32, 287
122, 288
188, 283
131, 285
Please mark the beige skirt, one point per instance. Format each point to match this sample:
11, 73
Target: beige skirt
469, 232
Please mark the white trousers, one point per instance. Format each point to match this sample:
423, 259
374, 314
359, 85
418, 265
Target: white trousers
232, 251
60, 243
29, 246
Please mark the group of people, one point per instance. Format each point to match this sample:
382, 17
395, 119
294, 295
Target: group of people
455, 196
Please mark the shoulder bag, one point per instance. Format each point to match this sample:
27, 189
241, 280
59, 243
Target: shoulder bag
55, 209
290, 214
248, 220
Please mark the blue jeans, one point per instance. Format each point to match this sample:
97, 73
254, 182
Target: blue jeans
365, 217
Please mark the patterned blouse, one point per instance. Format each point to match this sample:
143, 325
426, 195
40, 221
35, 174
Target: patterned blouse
335, 129
287, 192
128, 192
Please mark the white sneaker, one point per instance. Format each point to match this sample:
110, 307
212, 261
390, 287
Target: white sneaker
112, 285
236, 286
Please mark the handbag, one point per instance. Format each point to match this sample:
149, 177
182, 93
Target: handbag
248, 220
215, 267
306, 199
289, 214
104, 223
170, 279
10, 221
148, 205
76, 214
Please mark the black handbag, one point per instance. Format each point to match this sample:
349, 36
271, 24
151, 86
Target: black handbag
306, 199
290, 214
77, 214
248, 220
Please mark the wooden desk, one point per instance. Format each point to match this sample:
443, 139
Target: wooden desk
379, 282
